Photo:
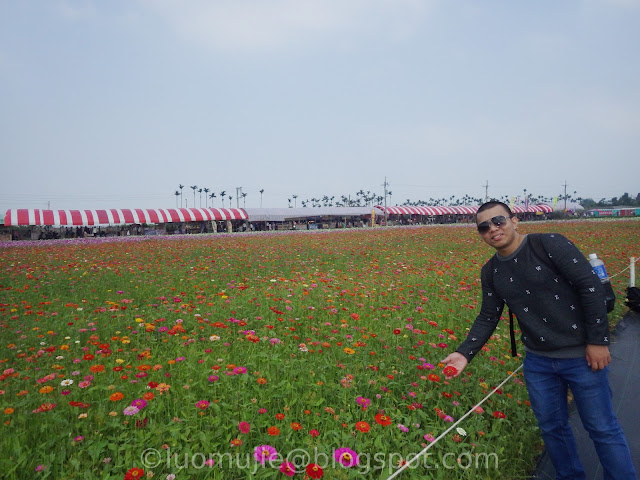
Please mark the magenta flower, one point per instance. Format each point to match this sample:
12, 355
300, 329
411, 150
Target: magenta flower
346, 457
288, 468
244, 427
202, 404
263, 453
139, 403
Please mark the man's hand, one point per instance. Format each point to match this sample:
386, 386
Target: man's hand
456, 360
598, 356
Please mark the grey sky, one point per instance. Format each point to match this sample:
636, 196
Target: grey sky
114, 104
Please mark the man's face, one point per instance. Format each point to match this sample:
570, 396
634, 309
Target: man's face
501, 238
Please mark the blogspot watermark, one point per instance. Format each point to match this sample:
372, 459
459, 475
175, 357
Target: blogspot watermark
299, 459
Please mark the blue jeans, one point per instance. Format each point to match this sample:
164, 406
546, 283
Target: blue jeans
547, 381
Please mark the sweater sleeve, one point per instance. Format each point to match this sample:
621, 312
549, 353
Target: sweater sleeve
575, 268
487, 320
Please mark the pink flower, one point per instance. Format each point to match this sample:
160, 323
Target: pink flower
429, 437
202, 404
131, 410
346, 457
288, 469
244, 427
140, 403
263, 453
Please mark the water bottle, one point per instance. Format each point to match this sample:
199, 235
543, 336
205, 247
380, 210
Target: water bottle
598, 267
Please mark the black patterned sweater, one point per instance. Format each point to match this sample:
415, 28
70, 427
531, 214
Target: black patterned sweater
556, 312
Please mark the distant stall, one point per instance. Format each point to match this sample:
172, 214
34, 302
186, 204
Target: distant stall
451, 214
117, 221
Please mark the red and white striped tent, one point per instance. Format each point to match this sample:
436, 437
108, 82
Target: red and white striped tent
117, 216
397, 210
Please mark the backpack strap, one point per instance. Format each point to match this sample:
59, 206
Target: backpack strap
512, 334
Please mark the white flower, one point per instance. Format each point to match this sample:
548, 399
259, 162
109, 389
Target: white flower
66, 383
213, 338
461, 431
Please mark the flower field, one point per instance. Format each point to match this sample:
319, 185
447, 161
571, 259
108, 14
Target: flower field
303, 355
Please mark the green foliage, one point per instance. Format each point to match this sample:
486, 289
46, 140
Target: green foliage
286, 331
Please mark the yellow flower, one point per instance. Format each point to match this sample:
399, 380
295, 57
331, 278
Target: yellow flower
349, 351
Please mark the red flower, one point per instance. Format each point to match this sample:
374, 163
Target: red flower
314, 470
134, 473
433, 377
273, 431
383, 420
314, 432
499, 414
280, 416
450, 371
397, 331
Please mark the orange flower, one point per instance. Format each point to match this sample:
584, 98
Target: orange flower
296, 426
261, 381
362, 427
273, 431
46, 389
149, 396
116, 396
97, 368
8, 411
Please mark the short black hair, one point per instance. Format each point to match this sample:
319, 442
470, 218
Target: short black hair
491, 204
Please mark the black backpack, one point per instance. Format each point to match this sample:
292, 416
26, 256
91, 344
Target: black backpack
539, 251
633, 298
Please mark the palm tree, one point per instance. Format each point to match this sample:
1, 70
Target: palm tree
181, 187
230, 198
244, 200
206, 191
177, 194
193, 187
212, 196
200, 192
222, 195
261, 192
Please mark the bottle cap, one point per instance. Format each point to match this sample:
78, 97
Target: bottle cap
592, 256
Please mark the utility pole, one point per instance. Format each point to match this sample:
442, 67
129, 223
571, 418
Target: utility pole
486, 191
238, 193
565, 195
386, 215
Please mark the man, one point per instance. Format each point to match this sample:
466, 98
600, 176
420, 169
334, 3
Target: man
565, 331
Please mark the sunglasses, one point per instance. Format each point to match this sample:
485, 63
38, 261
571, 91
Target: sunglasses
498, 221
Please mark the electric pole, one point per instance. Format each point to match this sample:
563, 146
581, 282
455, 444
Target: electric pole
486, 191
565, 195
238, 193
386, 215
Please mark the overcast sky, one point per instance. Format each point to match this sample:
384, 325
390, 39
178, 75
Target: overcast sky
115, 103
